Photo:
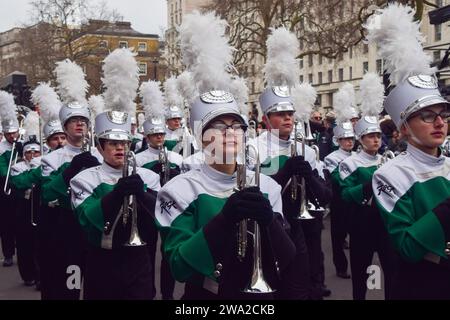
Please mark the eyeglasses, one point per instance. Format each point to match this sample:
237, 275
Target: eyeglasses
430, 116
222, 127
78, 119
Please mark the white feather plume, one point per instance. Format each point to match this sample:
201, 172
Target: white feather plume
152, 99
239, 89
141, 119
31, 125
344, 101
399, 42
72, 85
47, 99
372, 94
97, 105
121, 80
281, 68
7, 106
205, 50
186, 86
304, 96
171, 93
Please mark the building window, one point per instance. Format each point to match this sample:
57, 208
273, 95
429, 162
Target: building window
310, 60
253, 70
103, 44
330, 76
341, 74
438, 32
310, 78
365, 67
319, 100
350, 73
142, 68
330, 99
320, 78
436, 55
365, 48
340, 56
253, 87
142, 46
123, 44
320, 59
350, 52
301, 63
380, 66
301, 78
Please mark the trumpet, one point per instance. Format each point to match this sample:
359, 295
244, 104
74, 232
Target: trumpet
446, 147
387, 155
257, 283
165, 166
86, 143
14, 155
33, 223
134, 240
311, 205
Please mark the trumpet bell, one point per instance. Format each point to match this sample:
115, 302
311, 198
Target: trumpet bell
314, 208
258, 284
135, 240
305, 215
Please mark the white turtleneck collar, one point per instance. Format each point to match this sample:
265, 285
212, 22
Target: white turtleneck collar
216, 175
363, 154
425, 158
346, 153
70, 147
108, 169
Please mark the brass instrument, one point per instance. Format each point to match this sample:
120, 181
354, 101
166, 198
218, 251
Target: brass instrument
311, 205
86, 143
252, 129
165, 165
257, 283
446, 147
303, 212
134, 240
14, 155
33, 223
387, 155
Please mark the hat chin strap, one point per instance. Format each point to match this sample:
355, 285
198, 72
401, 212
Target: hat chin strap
412, 135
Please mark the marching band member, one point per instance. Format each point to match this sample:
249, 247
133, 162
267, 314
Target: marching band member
275, 148
26, 205
117, 267
59, 167
344, 136
156, 158
198, 211
412, 191
367, 233
10, 127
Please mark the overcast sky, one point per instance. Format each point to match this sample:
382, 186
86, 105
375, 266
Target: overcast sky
146, 16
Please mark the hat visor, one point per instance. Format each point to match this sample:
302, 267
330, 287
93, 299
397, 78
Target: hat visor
157, 130
422, 104
32, 147
119, 136
369, 131
10, 129
281, 107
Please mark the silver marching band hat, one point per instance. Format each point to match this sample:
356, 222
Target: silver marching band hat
10, 125
113, 125
276, 99
366, 125
133, 120
32, 144
174, 112
209, 106
344, 130
154, 126
52, 127
413, 94
74, 109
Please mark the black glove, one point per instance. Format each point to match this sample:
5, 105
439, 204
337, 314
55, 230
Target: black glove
131, 185
442, 211
19, 148
298, 166
79, 162
248, 204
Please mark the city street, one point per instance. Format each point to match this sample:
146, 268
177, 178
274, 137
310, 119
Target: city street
12, 288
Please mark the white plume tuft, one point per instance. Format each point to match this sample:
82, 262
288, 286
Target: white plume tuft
239, 89
47, 99
186, 87
72, 85
372, 95
7, 106
172, 95
304, 96
31, 125
152, 99
344, 102
121, 80
205, 50
399, 42
97, 105
141, 119
281, 68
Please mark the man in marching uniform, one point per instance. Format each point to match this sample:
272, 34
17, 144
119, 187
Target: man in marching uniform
367, 233
116, 269
10, 127
412, 190
136, 137
344, 137
173, 131
24, 177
